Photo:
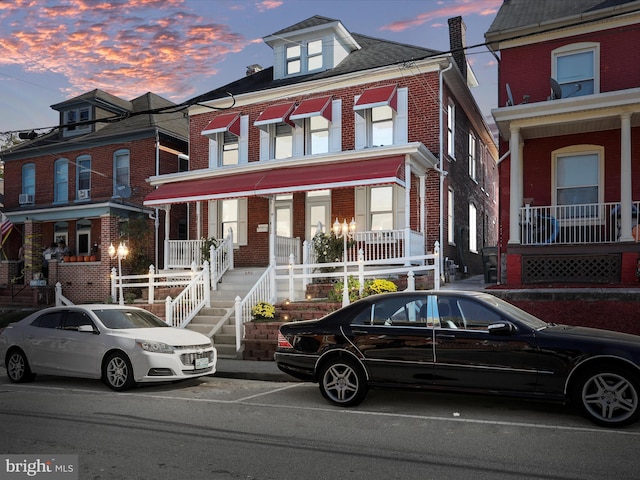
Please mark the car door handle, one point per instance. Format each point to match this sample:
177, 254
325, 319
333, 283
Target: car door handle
448, 337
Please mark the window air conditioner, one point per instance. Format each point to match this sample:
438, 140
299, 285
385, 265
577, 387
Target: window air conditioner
83, 194
25, 198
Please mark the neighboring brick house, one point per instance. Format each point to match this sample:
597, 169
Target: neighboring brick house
569, 122
343, 126
82, 180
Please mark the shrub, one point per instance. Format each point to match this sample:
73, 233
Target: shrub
371, 287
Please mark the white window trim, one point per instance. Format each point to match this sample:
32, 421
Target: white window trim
451, 233
578, 150
400, 121
116, 154
56, 164
473, 228
575, 48
451, 130
473, 157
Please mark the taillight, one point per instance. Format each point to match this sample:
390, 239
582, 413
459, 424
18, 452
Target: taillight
283, 342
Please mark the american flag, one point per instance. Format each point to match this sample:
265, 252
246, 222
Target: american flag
6, 227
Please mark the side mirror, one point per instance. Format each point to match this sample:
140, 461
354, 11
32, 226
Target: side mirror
501, 328
87, 329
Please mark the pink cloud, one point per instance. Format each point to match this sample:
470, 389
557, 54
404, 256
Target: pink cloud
447, 10
265, 5
126, 48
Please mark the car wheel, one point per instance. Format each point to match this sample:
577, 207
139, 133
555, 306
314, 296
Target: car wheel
18, 369
117, 372
609, 396
343, 382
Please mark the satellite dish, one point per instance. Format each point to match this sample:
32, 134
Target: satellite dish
124, 191
509, 97
556, 91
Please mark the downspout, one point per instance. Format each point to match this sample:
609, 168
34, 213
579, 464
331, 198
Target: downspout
441, 169
156, 220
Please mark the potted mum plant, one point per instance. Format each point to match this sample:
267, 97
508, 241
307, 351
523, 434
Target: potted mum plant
263, 312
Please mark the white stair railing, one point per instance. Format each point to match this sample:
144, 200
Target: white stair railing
181, 310
221, 259
262, 291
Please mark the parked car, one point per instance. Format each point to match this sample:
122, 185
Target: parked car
121, 345
466, 342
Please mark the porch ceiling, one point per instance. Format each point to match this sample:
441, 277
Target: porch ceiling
285, 179
569, 115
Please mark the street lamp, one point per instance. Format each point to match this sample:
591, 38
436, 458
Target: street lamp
121, 252
343, 230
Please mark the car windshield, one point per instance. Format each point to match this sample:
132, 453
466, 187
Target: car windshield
517, 313
125, 318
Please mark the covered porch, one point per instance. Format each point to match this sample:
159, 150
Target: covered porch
570, 201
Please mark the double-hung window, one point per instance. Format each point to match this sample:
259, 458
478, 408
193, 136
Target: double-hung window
225, 140
451, 130
473, 159
83, 181
28, 184
76, 116
229, 214
294, 62
381, 201
381, 117
578, 181
61, 181
576, 69
316, 117
121, 173
277, 132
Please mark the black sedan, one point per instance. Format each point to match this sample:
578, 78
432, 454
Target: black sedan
467, 342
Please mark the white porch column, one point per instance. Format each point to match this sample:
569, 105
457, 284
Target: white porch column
515, 186
625, 178
272, 230
199, 221
167, 229
407, 206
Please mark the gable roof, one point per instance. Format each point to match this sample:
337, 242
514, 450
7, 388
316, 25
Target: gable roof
374, 53
514, 14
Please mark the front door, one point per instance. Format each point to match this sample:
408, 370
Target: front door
318, 211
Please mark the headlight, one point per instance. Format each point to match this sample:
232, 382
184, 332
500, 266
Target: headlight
155, 347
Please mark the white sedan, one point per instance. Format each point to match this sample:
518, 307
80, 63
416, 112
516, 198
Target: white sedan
121, 345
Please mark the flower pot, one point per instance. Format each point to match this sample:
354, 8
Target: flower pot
93, 258
66, 258
87, 258
72, 258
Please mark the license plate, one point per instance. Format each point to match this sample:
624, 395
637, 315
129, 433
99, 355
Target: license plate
201, 363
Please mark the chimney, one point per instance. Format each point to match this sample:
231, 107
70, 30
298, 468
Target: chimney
458, 43
255, 68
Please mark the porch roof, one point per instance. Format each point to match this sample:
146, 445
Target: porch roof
285, 179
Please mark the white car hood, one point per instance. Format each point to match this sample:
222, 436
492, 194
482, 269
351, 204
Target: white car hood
170, 336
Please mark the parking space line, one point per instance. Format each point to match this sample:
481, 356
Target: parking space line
293, 385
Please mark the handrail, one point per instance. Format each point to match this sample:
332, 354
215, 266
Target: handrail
181, 310
60, 298
262, 291
221, 259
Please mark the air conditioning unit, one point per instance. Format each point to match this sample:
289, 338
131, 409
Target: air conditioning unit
25, 199
84, 194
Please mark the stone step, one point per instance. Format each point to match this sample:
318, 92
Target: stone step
227, 351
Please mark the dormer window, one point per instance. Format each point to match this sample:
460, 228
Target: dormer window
293, 60
78, 115
304, 58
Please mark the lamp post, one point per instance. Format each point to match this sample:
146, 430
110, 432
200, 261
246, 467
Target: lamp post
343, 230
121, 252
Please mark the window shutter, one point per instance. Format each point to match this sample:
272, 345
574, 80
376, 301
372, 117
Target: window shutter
361, 207
335, 129
361, 129
398, 207
212, 221
243, 141
265, 138
401, 124
213, 153
242, 221
298, 141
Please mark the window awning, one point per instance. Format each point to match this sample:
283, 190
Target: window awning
222, 123
275, 114
299, 178
313, 107
378, 97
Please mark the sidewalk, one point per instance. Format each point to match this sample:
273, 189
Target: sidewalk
268, 371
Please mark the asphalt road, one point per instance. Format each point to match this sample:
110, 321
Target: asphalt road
223, 428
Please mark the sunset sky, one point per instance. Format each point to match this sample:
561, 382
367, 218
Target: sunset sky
53, 50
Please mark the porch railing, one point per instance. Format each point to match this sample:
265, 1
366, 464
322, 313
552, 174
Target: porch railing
286, 246
221, 259
182, 253
573, 224
186, 305
263, 291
